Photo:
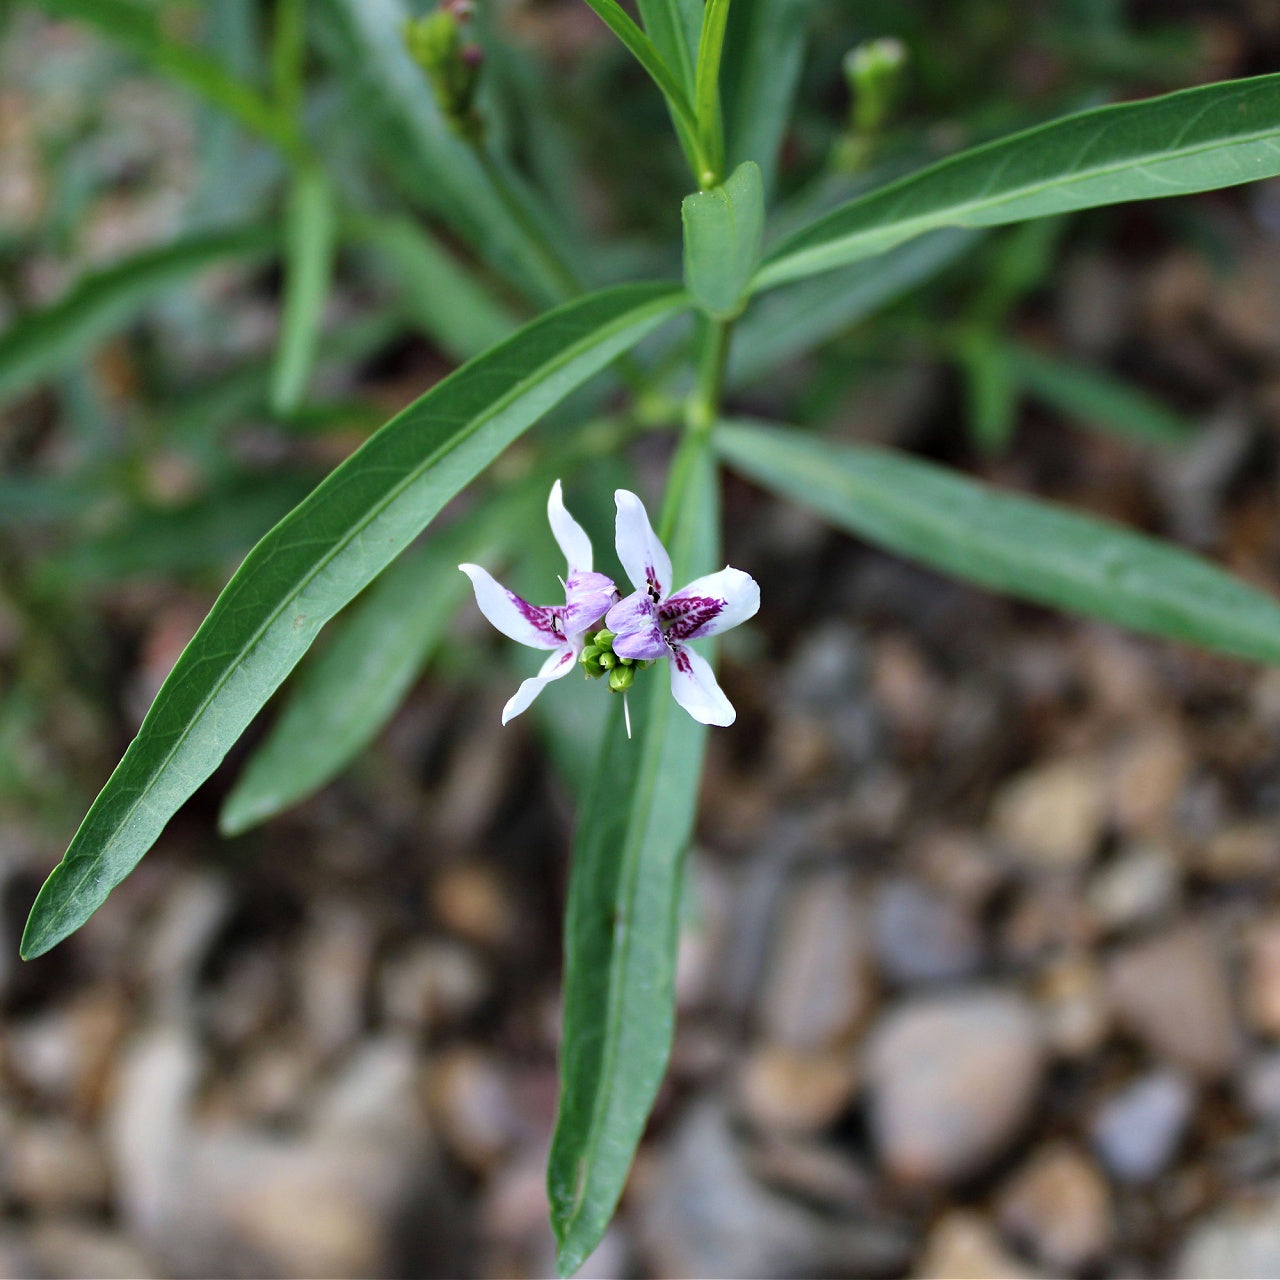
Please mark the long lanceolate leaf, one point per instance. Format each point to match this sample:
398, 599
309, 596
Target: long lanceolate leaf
41, 342
343, 696
764, 48
1009, 543
315, 560
621, 926
1215, 136
309, 246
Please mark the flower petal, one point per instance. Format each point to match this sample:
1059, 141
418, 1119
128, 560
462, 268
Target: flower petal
571, 536
525, 623
635, 624
587, 598
558, 664
710, 605
694, 687
643, 557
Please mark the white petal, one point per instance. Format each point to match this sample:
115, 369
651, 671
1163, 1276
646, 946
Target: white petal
694, 687
710, 605
524, 622
557, 665
571, 536
643, 557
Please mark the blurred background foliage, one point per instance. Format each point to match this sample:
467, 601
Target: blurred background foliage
145, 442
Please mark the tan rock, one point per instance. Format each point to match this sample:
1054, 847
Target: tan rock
818, 988
1172, 992
930, 1066
1052, 816
1059, 1206
1146, 778
795, 1091
1262, 977
963, 1246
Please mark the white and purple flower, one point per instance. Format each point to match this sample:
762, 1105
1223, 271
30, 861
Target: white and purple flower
560, 628
656, 622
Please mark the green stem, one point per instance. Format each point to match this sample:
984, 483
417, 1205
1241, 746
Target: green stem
703, 406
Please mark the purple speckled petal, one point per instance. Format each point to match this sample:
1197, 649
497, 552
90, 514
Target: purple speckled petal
709, 605
526, 623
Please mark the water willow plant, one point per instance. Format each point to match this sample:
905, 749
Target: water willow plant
638, 814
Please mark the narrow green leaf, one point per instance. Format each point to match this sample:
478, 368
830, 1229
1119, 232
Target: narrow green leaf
1009, 543
1097, 400
723, 239
992, 391
764, 50
41, 342
344, 695
620, 22
138, 28
315, 560
622, 924
308, 248
1216, 135
440, 297
706, 92
673, 26
789, 322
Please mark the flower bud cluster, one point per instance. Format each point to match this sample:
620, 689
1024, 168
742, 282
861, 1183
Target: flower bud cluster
451, 63
598, 659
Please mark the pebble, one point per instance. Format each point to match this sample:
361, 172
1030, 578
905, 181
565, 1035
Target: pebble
793, 1091
334, 962
963, 1246
1233, 1242
930, 1065
818, 986
469, 1100
699, 1212
67, 1247
64, 1056
1139, 886
1059, 1207
1260, 1085
1146, 777
1172, 993
52, 1166
1073, 999
1245, 851
1137, 1131
922, 935
1052, 817
432, 982
472, 902
1262, 976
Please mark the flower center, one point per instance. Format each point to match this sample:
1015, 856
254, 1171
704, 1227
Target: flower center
598, 659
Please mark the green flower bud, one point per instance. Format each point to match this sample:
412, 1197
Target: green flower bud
605, 638
590, 659
607, 660
621, 679
451, 65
